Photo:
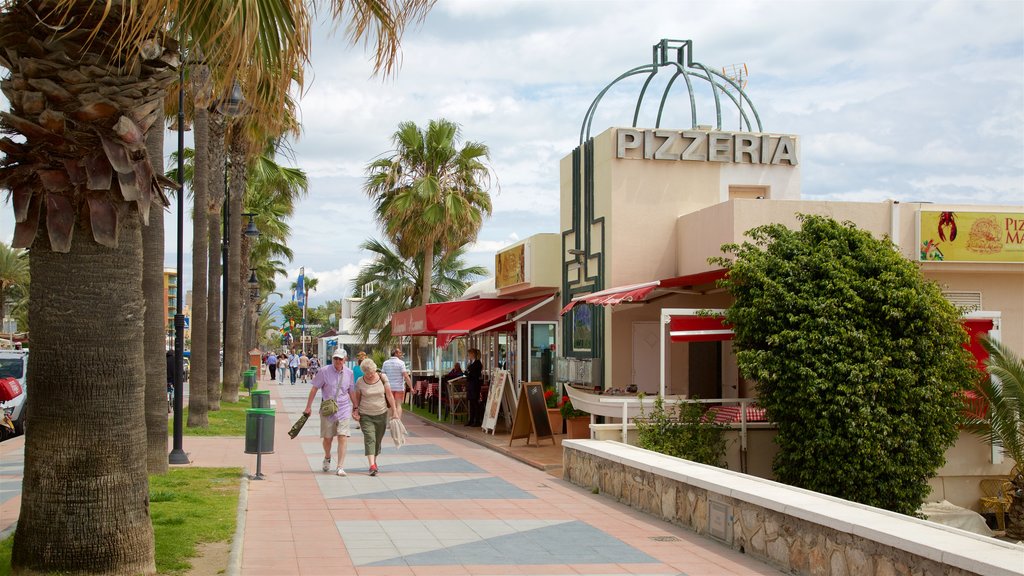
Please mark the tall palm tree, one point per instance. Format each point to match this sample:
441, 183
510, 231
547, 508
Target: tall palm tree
390, 283
271, 191
198, 405
155, 340
216, 190
429, 194
13, 273
1003, 424
106, 66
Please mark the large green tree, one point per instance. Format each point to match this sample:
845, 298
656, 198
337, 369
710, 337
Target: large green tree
389, 283
1003, 423
84, 81
430, 194
858, 359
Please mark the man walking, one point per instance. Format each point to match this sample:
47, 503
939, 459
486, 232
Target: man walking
335, 383
293, 366
398, 377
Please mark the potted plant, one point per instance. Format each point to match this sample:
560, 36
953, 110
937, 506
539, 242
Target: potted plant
554, 415
577, 422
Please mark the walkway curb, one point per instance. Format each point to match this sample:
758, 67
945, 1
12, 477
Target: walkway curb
234, 567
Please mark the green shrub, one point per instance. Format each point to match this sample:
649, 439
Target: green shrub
858, 359
682, 430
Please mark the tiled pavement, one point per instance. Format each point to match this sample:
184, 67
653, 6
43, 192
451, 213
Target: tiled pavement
440, 505
444, 505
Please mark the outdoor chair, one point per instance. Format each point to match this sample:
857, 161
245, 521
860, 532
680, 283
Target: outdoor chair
458, 404
997, 497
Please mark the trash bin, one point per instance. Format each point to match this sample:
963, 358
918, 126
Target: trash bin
249, 379
252, 417
261, 399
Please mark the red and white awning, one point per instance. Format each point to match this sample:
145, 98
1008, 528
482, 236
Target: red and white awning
640, 292
696, 328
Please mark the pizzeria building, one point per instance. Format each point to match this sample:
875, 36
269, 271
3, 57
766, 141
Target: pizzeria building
644, 207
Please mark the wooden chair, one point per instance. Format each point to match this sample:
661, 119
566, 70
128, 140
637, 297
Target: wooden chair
997, 497
458, 404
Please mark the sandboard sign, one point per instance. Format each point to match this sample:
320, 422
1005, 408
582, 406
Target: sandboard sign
532, 415
493, 405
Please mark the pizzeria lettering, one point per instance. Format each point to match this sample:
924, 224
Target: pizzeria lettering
706, 146
1015, 230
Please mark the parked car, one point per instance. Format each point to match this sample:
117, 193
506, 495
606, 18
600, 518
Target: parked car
14, 364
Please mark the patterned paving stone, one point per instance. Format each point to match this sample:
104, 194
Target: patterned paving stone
484, 542
419, 487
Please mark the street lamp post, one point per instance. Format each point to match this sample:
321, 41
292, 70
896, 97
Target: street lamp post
177, 455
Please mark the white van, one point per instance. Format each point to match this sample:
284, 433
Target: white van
14, 364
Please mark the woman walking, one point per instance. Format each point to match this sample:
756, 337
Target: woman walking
373, 402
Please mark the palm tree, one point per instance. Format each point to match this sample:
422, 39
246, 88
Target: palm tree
390, 283
1003, 424
197, 398
218, 127
430, 195
106, 66
155, 341
13, 274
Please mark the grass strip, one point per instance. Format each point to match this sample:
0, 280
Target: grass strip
228, 421
188, 506
425, 413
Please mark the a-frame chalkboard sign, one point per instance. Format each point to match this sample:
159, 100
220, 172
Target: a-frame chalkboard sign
531, 415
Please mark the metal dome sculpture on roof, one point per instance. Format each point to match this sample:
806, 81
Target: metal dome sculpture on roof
678, 54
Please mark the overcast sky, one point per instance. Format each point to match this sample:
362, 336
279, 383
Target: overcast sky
915, 100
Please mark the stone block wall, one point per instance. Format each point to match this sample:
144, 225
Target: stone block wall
784, 540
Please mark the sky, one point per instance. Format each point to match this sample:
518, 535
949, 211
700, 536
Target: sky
911, 100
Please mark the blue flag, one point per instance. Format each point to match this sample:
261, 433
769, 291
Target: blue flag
301, 289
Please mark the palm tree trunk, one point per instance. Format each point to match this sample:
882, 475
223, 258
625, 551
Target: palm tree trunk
233, 353
216, 191
85, 505
1015, 517
197, 399
428, 276
156, 318
213, 313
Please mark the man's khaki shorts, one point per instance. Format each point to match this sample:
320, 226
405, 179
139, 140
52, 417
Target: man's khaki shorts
329, 428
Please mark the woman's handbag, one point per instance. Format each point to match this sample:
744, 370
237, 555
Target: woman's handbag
328, 407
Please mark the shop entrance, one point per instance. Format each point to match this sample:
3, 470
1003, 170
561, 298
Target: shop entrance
645, 357
538, 347
705, 370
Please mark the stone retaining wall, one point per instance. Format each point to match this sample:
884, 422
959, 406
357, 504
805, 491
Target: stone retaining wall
799, 531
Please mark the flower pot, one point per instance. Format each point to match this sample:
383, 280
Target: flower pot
555, 419
578, 427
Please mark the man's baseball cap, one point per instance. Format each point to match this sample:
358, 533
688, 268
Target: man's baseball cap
339, 352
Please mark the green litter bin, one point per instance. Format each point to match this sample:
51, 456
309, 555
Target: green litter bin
259, 431
249, 379
261, 398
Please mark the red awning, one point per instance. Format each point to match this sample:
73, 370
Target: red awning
484, 319
640, 292
427, 320
699, 329
976, 328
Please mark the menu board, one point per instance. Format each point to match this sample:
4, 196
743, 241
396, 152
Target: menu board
532, 415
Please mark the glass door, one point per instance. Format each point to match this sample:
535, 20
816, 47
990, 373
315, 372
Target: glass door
540, 348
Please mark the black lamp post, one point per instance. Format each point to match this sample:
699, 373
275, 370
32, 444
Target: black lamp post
177, 455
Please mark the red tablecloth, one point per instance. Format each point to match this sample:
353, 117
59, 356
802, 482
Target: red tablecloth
731, 414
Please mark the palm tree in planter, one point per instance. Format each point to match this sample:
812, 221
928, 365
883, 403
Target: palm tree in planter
84, 81
1003, 424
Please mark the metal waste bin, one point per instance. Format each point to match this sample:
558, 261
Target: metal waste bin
261, 398
249, 379
262, 420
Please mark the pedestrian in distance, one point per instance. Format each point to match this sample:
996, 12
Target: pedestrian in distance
373, 401
398, 376
293, 367
272, 365
314, 366
474, 379
282, 367
334, 382
360, 356
303, 367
